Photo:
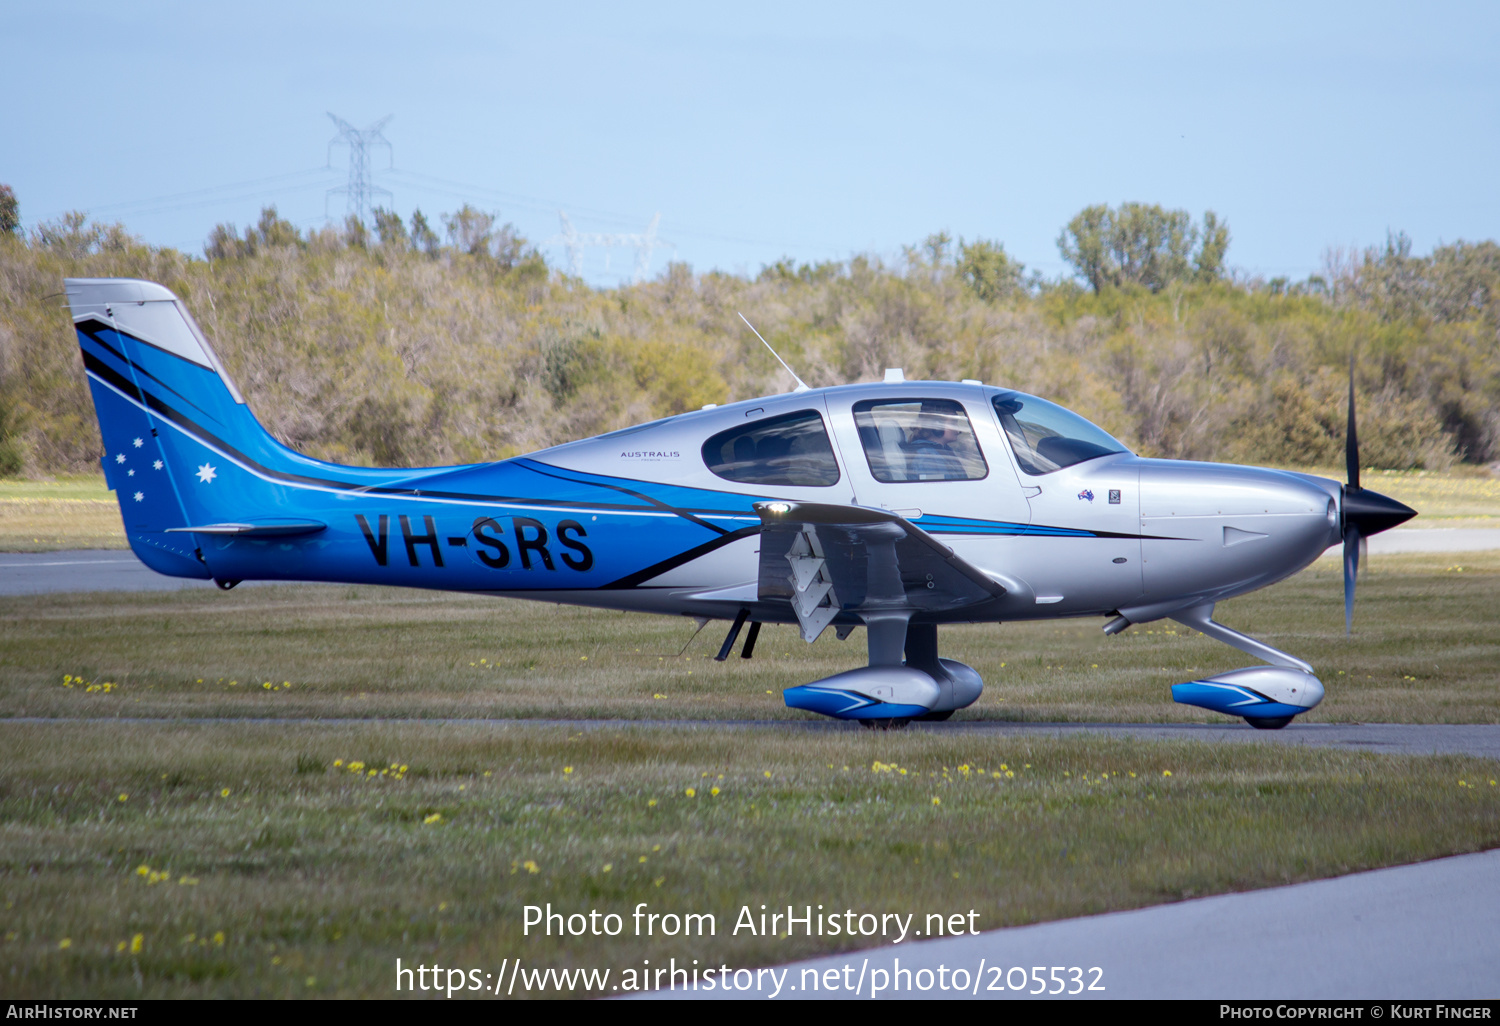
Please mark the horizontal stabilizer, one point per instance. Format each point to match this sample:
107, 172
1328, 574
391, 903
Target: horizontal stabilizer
259, 529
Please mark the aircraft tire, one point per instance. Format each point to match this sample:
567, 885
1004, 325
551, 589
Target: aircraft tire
935, 717
1268, 722
896, 723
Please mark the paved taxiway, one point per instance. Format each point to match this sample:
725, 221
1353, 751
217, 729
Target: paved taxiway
1410, 932
35, 573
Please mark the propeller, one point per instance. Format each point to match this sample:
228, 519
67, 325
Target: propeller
1364, 512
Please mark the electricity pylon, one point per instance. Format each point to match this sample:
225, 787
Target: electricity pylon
644, 243
360, 189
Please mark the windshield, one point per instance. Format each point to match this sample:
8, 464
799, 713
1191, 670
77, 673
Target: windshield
1047, 437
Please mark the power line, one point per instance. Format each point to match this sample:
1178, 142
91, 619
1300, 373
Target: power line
360, 189
574, 242
469, 190
200, 197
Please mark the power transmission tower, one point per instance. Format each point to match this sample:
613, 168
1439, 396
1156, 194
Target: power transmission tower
360, 189
644, 243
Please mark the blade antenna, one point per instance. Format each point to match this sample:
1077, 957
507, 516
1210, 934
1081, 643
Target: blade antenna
801, 385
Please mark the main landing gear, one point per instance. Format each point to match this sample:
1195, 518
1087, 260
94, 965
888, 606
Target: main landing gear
892, 691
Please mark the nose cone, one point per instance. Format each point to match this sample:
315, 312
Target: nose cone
1370, 512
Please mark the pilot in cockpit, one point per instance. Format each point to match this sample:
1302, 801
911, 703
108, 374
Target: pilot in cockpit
930, 447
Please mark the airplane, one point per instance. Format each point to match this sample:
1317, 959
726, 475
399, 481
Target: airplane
896, 506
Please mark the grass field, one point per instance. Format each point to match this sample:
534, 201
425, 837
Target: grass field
169, 859
80, 513
67, 513
183, 824
1425, 650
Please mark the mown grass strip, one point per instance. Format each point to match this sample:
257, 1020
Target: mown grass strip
1425, 647
210, 860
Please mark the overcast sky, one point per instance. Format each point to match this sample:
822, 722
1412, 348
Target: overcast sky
806, 129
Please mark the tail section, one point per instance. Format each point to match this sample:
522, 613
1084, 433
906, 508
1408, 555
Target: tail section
181, 449
206, 492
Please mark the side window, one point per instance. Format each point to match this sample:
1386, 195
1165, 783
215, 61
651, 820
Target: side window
918, 440
788, 450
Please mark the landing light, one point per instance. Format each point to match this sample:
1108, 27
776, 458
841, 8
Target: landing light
778, 507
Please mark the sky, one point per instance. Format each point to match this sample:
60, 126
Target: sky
814, 131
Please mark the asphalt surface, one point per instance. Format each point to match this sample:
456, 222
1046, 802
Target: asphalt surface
35, 573
1427, 931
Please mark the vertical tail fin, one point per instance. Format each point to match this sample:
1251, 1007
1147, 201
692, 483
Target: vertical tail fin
150, 371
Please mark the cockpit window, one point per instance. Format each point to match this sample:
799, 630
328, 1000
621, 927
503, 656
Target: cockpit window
918, 440
787, 450
1047, 437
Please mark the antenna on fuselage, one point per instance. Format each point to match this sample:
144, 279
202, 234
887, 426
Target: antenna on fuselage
801, 385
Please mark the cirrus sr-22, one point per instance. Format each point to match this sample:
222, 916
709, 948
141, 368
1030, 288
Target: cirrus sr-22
897, 506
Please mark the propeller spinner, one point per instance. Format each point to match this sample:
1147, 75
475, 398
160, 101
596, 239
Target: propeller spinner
1364, 512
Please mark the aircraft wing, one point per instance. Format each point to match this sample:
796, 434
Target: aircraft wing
826, 559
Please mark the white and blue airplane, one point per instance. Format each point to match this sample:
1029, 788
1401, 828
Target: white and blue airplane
896, 506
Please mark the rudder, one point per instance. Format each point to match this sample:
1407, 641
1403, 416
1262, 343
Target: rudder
147, 361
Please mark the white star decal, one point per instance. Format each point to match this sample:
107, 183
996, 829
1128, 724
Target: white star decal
206, 473
120, 458
139, 496
130, 473
156, 465
137, 443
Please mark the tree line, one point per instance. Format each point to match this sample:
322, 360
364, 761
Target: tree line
409, 342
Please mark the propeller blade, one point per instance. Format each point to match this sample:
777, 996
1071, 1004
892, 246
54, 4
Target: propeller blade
1351, 571
1351, 437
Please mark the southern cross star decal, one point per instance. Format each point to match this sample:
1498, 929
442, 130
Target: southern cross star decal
139, 496
120, 458
207, 473
137, 443
156, 465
